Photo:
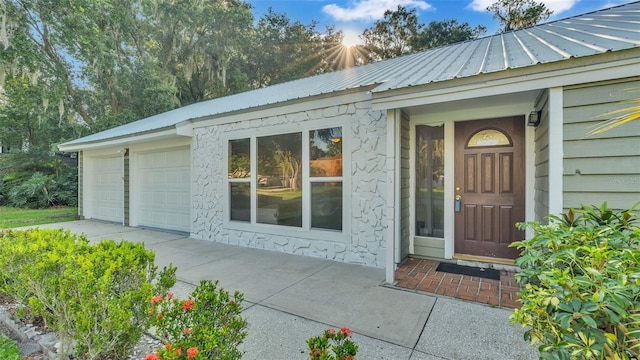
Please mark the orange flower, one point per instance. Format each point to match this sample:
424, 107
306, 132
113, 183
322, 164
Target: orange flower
192, 352
169, 296
345, 331
156, 299
187, 305
178, 351
160, 316
187, 331
151, 357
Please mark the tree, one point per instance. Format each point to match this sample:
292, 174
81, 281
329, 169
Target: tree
390, 37
200, 44
285, 50
400, 33
440, 33
518, 14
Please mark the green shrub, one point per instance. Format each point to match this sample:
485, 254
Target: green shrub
93, 296
33, 193
333, 345
9, 349
36, 179
581, 285
207, 325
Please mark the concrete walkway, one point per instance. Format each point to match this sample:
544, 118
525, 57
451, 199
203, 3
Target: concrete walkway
290, 298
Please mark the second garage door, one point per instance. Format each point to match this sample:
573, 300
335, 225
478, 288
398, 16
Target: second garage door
164, 188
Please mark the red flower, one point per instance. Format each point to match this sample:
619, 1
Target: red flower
345, 331
156, 299
192, 352
187, 331
151, 357
331, 331
187, 305
178, 351
169, 296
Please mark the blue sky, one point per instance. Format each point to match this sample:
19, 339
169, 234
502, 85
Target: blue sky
353, 16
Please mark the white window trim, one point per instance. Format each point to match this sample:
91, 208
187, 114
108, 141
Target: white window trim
306, 231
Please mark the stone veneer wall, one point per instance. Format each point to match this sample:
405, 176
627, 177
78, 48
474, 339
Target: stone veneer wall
365, 243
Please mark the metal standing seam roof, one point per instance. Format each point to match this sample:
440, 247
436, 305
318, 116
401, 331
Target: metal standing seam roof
611, 29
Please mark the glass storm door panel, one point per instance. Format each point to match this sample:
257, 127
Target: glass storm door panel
429, 181
489, 186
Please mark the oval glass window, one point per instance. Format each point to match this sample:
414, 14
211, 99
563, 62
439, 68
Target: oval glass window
488, 137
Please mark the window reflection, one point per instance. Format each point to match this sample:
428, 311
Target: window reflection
239, 159
430, 181
325, 152
240, 201
326, 205
280, 179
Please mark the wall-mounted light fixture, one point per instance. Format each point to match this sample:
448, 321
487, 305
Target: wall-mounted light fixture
534, 118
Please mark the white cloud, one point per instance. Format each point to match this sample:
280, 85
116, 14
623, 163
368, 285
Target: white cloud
557, 6
370, 9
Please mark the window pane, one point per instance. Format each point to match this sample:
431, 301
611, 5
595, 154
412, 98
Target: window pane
240, 201
430, 181
239, 159
325, 152
280, 180
489, 137
326, 205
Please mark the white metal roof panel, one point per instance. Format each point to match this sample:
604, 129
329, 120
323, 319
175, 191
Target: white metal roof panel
612, 29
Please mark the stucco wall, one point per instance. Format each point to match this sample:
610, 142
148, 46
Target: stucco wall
362, 240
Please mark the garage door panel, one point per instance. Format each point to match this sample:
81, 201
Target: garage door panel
106, 189
165, 189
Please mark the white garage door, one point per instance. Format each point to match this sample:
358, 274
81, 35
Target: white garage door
164, 189
106, 189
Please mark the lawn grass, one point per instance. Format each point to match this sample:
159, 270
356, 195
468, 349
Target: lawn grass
13, 217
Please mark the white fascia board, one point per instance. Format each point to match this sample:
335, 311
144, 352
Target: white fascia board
507, 82
122, 141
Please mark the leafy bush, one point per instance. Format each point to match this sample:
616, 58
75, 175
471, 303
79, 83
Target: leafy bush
93, 296
37, 180
9, 349
207, 325
581, 285
33, 193
333, 345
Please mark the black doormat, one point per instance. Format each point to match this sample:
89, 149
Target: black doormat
469, 270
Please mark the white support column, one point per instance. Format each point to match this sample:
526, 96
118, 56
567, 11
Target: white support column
556, 150
392, 220
449, 189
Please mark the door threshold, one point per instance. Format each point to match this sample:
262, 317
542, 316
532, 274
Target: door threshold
486, 261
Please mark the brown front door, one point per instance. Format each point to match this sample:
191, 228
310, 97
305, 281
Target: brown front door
489, 186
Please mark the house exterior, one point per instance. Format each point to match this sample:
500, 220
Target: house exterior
435, 154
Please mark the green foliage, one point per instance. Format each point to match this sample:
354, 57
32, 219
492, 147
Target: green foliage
333, 345
518, 14
35, 179
9, 349
581, 285
400, 33
207, 325
93, 296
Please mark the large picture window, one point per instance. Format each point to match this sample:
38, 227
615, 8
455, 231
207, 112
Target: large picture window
297, 180
280, 179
